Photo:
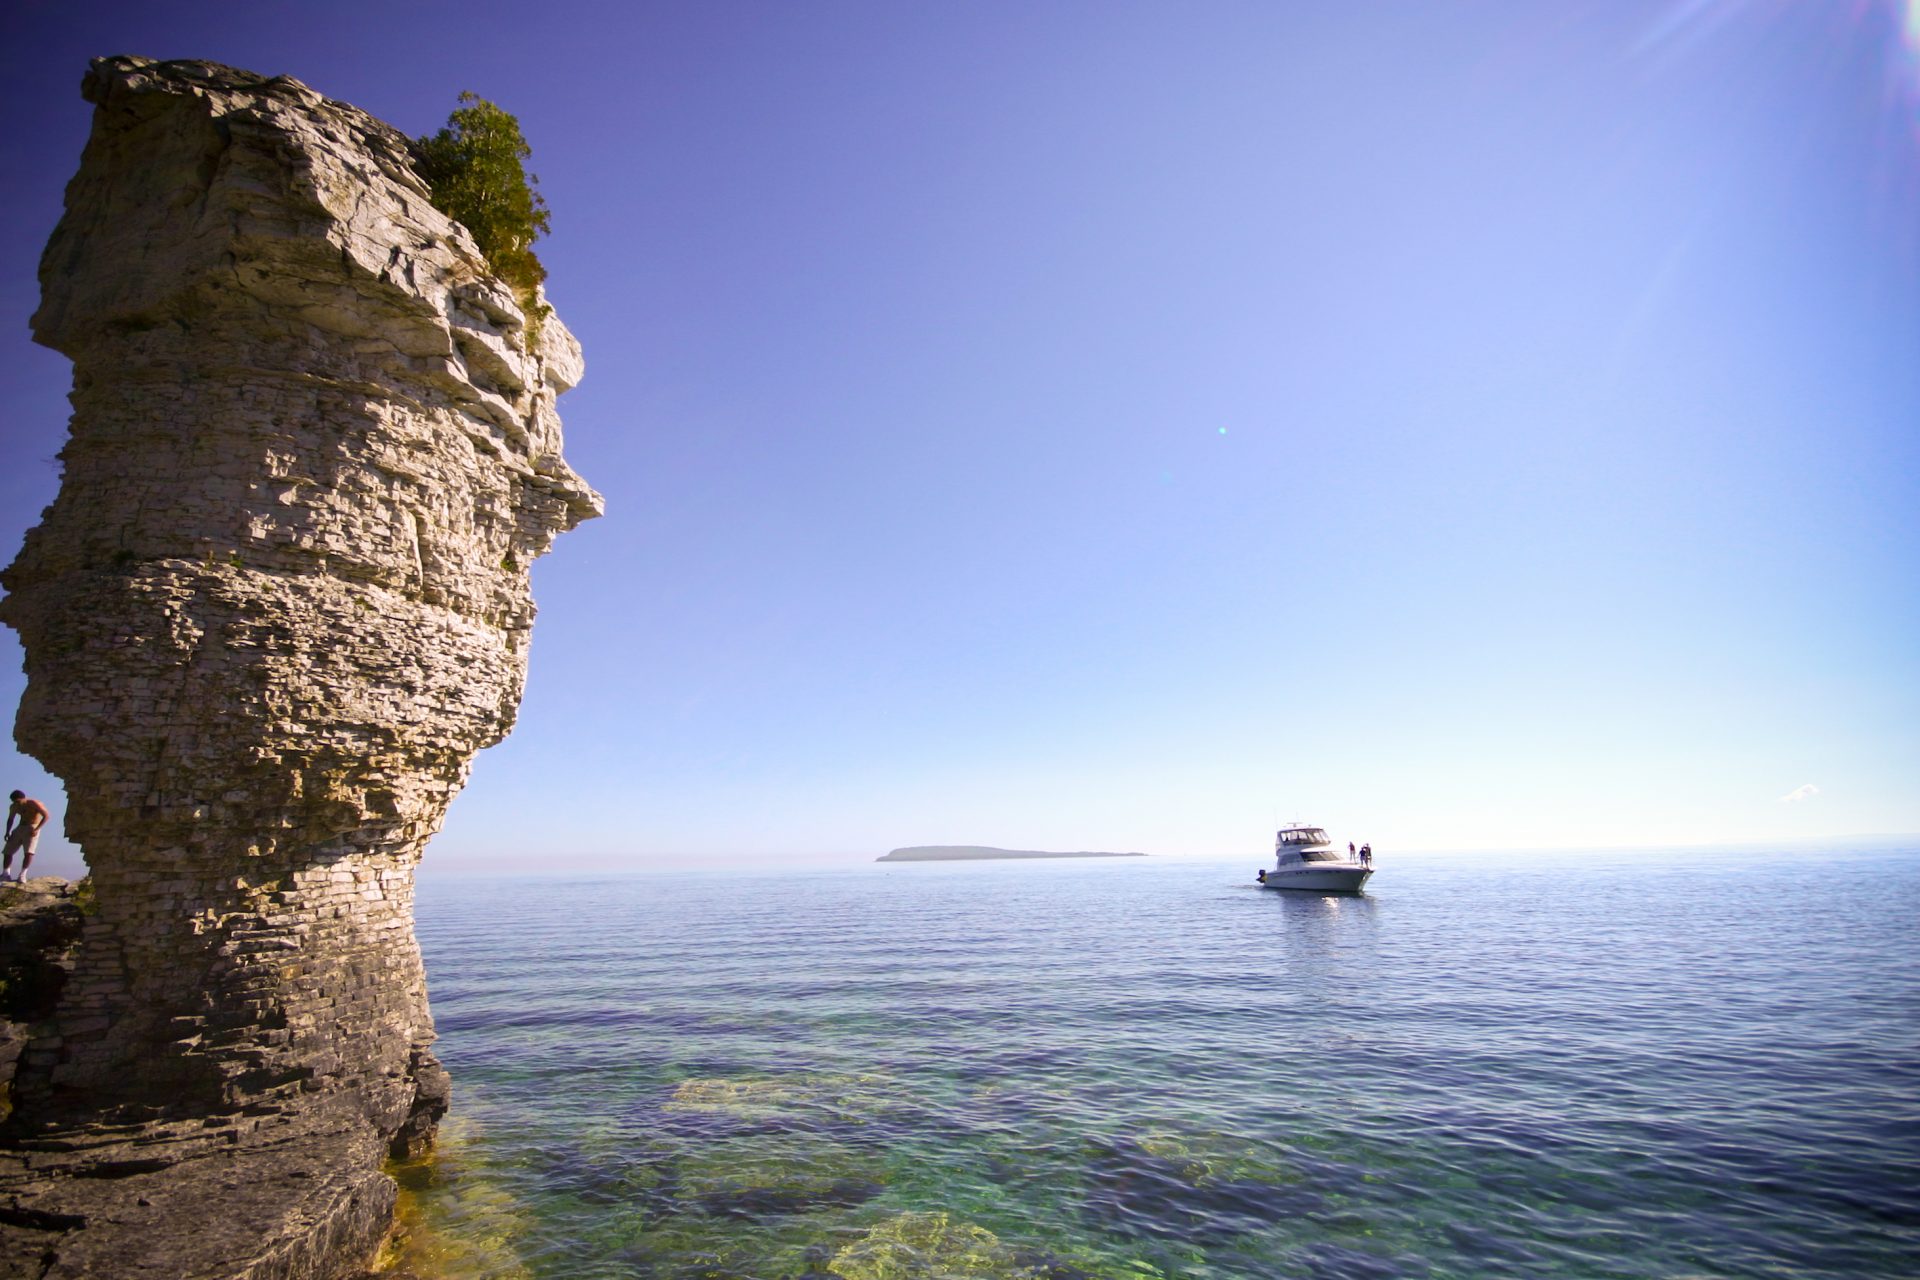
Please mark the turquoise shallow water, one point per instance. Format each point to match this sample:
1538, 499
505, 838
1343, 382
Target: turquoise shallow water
1633, 1065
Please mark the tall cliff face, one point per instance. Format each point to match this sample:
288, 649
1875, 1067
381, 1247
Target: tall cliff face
279, 603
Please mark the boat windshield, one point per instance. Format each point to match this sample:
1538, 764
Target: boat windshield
1302, 835
1322, 855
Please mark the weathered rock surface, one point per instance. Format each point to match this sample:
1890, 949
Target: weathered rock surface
279, 603
39, 925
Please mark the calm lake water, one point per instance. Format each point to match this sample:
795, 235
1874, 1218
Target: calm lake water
1630, 1065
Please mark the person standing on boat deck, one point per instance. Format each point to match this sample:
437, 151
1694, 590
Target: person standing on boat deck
25, 817
1349, 848
1366, 855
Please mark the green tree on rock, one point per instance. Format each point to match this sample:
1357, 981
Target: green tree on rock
477, 172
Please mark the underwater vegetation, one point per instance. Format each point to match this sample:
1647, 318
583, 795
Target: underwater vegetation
778, 1193
989, 1080
1198, 1186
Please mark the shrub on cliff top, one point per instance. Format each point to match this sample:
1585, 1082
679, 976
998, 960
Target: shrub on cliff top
476, 170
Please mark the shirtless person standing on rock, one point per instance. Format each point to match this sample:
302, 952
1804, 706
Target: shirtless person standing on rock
25, 817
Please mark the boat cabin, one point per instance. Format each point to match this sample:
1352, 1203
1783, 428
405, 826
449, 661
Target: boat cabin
1305, 844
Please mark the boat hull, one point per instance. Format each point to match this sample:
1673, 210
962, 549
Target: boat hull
1319, 879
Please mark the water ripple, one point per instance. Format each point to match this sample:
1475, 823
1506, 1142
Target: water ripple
1656, 1065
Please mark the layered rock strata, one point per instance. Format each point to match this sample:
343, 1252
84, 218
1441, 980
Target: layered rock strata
279, 603
40, 922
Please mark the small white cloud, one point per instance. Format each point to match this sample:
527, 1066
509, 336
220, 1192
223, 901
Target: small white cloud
1806, 791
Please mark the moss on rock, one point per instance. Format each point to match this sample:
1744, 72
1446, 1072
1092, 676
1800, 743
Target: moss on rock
914, 1246
796, 1098
753, 1177
1203, 1158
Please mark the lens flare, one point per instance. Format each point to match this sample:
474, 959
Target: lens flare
1907, 71
1900, 176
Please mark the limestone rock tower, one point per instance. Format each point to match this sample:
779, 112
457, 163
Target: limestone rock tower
279, 603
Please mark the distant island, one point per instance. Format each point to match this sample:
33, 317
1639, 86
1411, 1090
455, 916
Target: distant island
981, 852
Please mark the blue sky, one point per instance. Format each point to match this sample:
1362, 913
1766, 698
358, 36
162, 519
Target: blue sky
1118, 425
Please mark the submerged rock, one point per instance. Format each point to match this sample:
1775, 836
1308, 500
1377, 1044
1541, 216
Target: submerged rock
476, 1229
786, 1101
935, 1246
914, 1246
1202, 1187
754, 1178
1209, 1158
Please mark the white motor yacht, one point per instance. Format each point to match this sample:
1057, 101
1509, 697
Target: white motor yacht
1303, 858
